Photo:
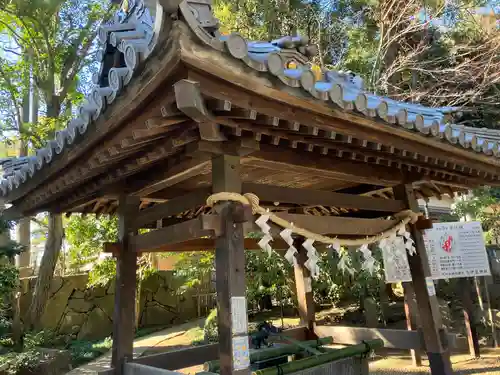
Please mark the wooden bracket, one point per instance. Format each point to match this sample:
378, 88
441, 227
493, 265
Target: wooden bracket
240, 147
191, 103
240, 214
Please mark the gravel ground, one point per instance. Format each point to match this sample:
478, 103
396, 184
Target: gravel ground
488, 364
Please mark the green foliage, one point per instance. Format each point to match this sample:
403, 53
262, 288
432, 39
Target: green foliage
86, 236
210, 329
86, 351
27, 361
194, 268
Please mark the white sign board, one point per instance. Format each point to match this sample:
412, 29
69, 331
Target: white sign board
396, 267
453, 249
239, 315
456, 250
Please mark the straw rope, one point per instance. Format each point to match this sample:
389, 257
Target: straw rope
406, 217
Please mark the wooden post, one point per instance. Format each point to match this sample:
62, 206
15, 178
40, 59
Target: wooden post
411, 323
303, 284
464, 284
230, 271
428, 307
490, 312
126, 267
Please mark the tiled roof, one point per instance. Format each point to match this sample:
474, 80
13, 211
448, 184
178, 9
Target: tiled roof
135, 35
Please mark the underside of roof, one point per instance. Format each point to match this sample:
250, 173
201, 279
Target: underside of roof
171, 91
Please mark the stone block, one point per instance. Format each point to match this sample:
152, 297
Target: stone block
96, 327
106, 304
166, 297
156, 314
71, 322
95, 292
56, 307
56, 284
80, 305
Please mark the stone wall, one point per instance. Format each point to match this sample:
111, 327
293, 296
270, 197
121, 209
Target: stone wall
87, 313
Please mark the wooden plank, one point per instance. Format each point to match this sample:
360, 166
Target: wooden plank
201, 244
126, 267
174, 206
393, 338
229, 264
428, 307
174, 175
411, 316
139, 369
172, 234
270, 193
182, 358
278, 159
303, 285
334, 225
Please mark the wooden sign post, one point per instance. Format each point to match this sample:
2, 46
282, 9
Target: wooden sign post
428, 307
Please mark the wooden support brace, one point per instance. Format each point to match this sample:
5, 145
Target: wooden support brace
428, 307
303, 283
190, 102
411, 317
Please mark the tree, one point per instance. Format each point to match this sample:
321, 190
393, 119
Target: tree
58, 35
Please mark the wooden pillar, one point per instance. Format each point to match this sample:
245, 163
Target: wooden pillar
464, 284
303, 283
230, 271
126, 267
428, 307
491, 317
411, 319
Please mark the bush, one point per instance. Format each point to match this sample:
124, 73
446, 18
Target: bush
26, 362
210, 329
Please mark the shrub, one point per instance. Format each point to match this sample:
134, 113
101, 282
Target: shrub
210, 329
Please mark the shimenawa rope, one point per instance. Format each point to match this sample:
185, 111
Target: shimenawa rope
406, 217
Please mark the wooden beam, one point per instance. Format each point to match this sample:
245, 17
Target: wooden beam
178, 173
430, 315
201, 244
230, 270
238, 147
338, 226
187, 230
191, 103
270, 193
126, 267
411, 317
393, 338
172, 207
274, 158
465, 292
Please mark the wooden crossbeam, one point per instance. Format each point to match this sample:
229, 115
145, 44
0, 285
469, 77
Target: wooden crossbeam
181, 232
393, 338
338, 226
310, 197
172, 207
270, 157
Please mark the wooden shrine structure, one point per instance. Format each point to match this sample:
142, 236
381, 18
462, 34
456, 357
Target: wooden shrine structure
179, 112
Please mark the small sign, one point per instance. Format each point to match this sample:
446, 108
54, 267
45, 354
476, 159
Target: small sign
239, 315
396, 267
431, 290
241, 353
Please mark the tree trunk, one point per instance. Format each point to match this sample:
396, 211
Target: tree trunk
46, 271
